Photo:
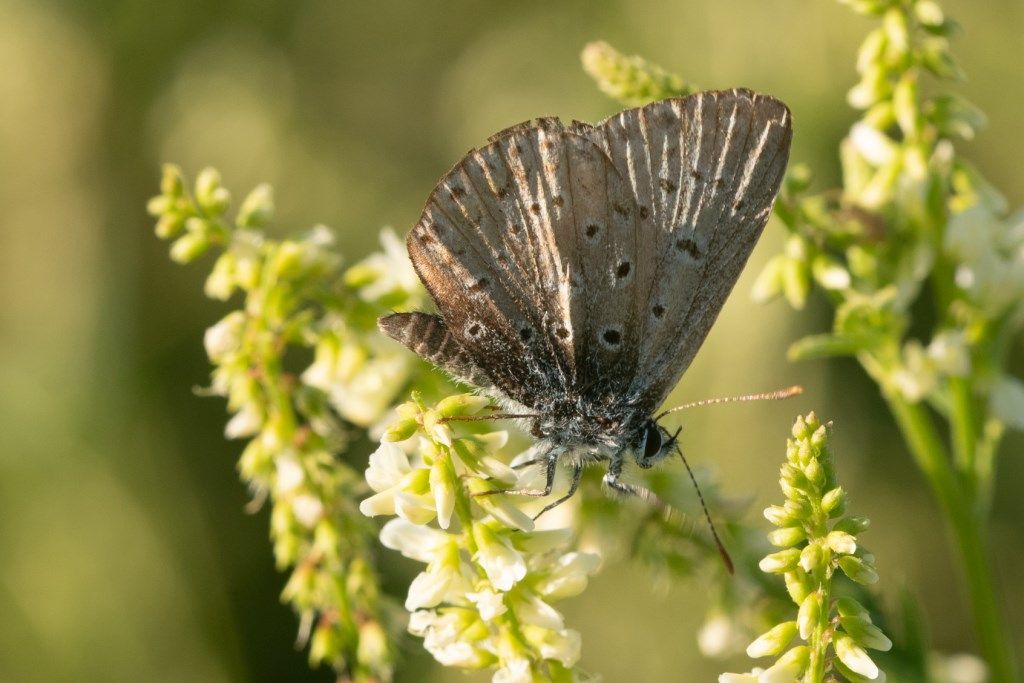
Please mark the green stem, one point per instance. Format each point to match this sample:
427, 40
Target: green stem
967, 529
819, 640
963, 425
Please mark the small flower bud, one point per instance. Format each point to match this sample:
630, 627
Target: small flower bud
833, 502
811, 557
780, 562
798, 585
809, 614
841, 542
778, 515
189, 247
172, 184
257, 208
814, 472
787, 536
401, 430
854, 657
773, 641
795, 660
463, 404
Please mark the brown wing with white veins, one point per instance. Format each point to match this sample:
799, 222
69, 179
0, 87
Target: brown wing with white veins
705, 170
521, 245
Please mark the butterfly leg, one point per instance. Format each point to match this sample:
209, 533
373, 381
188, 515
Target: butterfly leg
551, 461
577, 472
611, 480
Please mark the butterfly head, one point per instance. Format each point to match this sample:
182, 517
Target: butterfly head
654, 444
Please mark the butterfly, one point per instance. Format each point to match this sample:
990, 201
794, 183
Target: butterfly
578, 268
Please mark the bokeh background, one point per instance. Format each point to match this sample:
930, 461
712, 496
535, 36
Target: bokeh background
124, 550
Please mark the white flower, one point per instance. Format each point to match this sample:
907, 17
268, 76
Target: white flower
740, 678
1008, 401
873, 145
308, 510
488, 603
224, 338
246, 422
563, 646
401, 488
514, 671
289, 472
532, 610
948, 351
442, 635
446, 579
502, 563
719, 637
569, 575
389, 270
415, 541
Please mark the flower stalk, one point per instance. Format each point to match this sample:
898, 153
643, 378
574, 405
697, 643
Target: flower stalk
820, 544
483, 601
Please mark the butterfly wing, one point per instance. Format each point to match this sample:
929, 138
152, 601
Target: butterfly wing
505, 246
428, 337
704, 170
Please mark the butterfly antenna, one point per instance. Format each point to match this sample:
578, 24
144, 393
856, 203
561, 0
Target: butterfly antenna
788, 392
707, 515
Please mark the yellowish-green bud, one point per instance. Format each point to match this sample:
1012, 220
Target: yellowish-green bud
834, 501
189, 247
809, 614
854, 657
172, 183
780, 562
401, 430
787, 536
257, 208
811, 557
462, 404
773, 641
841, 543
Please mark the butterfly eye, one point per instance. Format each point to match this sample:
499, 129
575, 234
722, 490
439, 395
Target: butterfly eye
652, 444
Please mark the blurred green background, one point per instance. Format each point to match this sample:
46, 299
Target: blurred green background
126, 553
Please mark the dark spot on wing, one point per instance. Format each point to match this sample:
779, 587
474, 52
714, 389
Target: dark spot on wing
688, 246
561, 333
658, 310
612, 337
623, 270
591, 230
525, 334
535, 208
667, 185
558, 201
644, 212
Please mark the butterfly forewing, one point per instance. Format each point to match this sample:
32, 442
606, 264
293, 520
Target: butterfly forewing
708, 167
528, 247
